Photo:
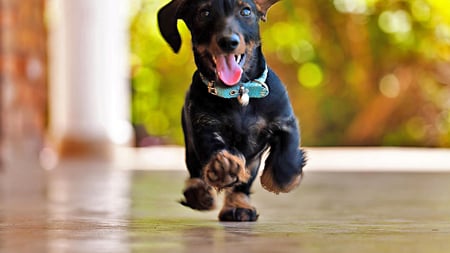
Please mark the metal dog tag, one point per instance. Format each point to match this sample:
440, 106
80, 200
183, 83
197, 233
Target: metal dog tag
243, 97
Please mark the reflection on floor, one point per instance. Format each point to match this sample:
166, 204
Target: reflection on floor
90, 207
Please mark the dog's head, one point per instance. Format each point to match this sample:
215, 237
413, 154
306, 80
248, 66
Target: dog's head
224, 33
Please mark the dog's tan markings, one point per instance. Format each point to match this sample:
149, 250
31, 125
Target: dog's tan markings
242, 47
268, 182
237, 208
225, 169
249, 52
198, 195
201, 49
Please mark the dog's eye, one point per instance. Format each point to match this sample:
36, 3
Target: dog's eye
246, 11
204, 13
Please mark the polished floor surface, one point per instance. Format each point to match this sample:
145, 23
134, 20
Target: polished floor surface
90, 207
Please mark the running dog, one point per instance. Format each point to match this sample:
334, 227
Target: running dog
236, 109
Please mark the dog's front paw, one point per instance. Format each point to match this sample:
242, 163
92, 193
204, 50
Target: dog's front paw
198, 195
225, 170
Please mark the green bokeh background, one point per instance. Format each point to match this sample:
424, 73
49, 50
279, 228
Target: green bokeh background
358, 72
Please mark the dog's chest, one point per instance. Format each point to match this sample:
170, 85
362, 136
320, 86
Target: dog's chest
248, 133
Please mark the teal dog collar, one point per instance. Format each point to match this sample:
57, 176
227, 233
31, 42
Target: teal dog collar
243, 91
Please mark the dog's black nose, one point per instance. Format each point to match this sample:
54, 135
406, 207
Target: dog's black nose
228, 43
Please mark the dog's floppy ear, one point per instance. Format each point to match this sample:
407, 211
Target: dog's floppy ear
167, 21
264, 5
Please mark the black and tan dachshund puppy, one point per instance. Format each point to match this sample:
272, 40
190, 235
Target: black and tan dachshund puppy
236, 107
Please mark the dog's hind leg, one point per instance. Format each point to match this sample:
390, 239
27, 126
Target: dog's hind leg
237, 205
198, 194
284, 166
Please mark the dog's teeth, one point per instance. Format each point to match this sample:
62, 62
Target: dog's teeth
238, 58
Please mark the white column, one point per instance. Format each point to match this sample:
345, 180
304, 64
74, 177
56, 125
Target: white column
89, 89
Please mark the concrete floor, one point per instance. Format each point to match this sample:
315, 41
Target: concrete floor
91, 207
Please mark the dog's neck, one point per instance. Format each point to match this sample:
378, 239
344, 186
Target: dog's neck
256, 66
252, 86
242, 91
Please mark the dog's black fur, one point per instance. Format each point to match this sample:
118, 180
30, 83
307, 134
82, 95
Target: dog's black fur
225, 140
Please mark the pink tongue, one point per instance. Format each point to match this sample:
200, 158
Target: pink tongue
228, 70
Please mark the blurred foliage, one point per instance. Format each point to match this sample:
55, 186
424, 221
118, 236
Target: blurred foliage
359, 72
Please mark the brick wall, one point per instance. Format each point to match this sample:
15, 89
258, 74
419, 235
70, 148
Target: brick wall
23, 76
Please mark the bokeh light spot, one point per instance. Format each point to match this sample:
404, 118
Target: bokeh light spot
395, 21
351, 6
310, 75
389, 86
420, 10
302, 52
